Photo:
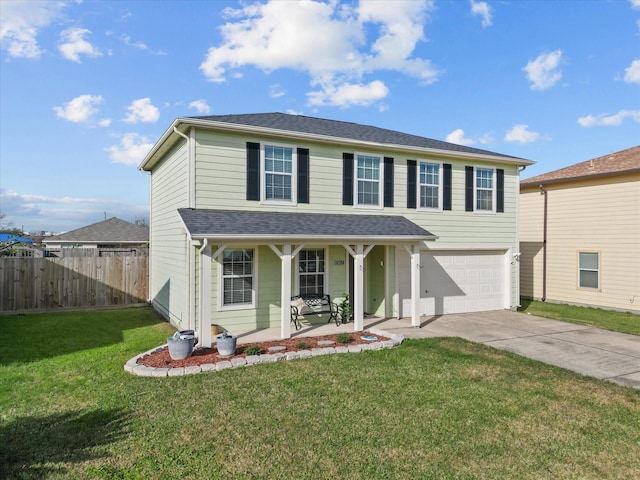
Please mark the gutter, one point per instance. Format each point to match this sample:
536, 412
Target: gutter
544, 192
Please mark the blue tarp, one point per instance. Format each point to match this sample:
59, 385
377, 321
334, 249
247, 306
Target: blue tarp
8, 237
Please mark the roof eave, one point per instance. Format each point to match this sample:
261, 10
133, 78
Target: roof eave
315, 238
149, 160
527, 183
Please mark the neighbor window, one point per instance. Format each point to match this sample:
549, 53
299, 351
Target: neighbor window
368, 180
278, 173
311, 269
485, 189
589, 270
430, 190
237, 277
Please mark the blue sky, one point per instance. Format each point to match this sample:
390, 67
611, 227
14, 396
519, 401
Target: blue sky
87, 87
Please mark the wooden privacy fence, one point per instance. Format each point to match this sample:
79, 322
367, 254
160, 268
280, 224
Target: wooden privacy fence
50, 283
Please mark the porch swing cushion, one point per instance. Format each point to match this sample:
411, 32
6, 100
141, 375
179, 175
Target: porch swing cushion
301, 305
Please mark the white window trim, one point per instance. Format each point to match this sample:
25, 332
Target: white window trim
245, 306
494, 193
325, 283
599, 270
380, 204
440, 187
294, 175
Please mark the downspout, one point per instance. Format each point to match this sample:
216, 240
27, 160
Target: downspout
543, 191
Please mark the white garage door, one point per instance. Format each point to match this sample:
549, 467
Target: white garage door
455, 282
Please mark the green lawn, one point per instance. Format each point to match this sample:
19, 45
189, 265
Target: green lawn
436, 408
624, 322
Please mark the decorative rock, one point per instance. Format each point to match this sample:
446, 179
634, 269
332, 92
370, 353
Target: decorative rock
292, 355
325, 343
253, 359
238, 362
354, 348
175, 372
305, 353
223, 365
192, 369
277, 348
208, 367
160, 372
342, 349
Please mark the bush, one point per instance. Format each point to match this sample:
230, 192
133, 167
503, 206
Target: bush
253, 350
302, 345
344, 338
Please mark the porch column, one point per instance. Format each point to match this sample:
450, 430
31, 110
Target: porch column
204, 310
358, 288
285, 292
415, 285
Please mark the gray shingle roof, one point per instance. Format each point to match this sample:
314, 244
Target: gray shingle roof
345, 130
112, 230
206, 223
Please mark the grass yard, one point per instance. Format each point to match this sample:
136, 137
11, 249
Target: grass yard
435, 408
624, 322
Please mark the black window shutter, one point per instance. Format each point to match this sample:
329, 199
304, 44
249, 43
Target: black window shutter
446, 188
347, 178
500, 190
253, 171
412, 172
303, 175
468, 189
388, 182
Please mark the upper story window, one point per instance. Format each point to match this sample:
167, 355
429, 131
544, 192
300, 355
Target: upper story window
238, 278
368, 180
589, 270
485, 190
430, 186
278, 176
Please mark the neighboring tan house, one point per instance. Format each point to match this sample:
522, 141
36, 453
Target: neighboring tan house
580, 233
250, 210
114, 234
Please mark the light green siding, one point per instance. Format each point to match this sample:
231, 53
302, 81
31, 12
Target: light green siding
169, 263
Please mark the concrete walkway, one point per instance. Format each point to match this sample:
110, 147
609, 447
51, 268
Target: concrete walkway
589, 351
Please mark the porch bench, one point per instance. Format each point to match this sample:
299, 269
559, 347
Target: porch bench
313, 305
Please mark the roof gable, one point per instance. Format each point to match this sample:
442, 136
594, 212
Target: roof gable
112, 230
617, 163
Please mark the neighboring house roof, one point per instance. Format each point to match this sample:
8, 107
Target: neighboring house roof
232, 224
112, 230
321, 129
10, 237
617, 163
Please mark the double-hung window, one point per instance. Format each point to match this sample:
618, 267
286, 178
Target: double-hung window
368, 180
485, 190
430, 186
278, 173
238, 278
589, 270
311, 271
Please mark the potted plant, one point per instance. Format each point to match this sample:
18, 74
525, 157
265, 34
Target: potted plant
226, 344
344, 309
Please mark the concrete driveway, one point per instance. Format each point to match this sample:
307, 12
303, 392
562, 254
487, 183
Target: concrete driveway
589, 351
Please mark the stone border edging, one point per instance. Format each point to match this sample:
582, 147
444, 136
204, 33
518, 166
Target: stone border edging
134, 368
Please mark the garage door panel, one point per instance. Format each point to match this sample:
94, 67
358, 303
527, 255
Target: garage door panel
455, 283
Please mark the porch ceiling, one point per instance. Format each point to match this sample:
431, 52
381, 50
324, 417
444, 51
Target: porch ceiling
237, 225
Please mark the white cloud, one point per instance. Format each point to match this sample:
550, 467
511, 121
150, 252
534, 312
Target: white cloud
142, 110
81, 109
20, 23
348, 94
609, 120
334, 43
457, 137
276, 91
543, 72
632, 74
484, 10
635, 4
200, 106
73, 44
131, 151
521, 134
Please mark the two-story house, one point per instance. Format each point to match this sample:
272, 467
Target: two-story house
249, 210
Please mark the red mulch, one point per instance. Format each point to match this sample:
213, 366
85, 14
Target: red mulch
161, 358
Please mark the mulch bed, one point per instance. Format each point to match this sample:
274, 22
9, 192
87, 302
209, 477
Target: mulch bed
162, 359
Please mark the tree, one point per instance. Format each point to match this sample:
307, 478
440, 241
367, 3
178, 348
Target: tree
7, 227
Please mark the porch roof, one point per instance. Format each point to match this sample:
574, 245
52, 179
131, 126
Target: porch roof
238, 225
